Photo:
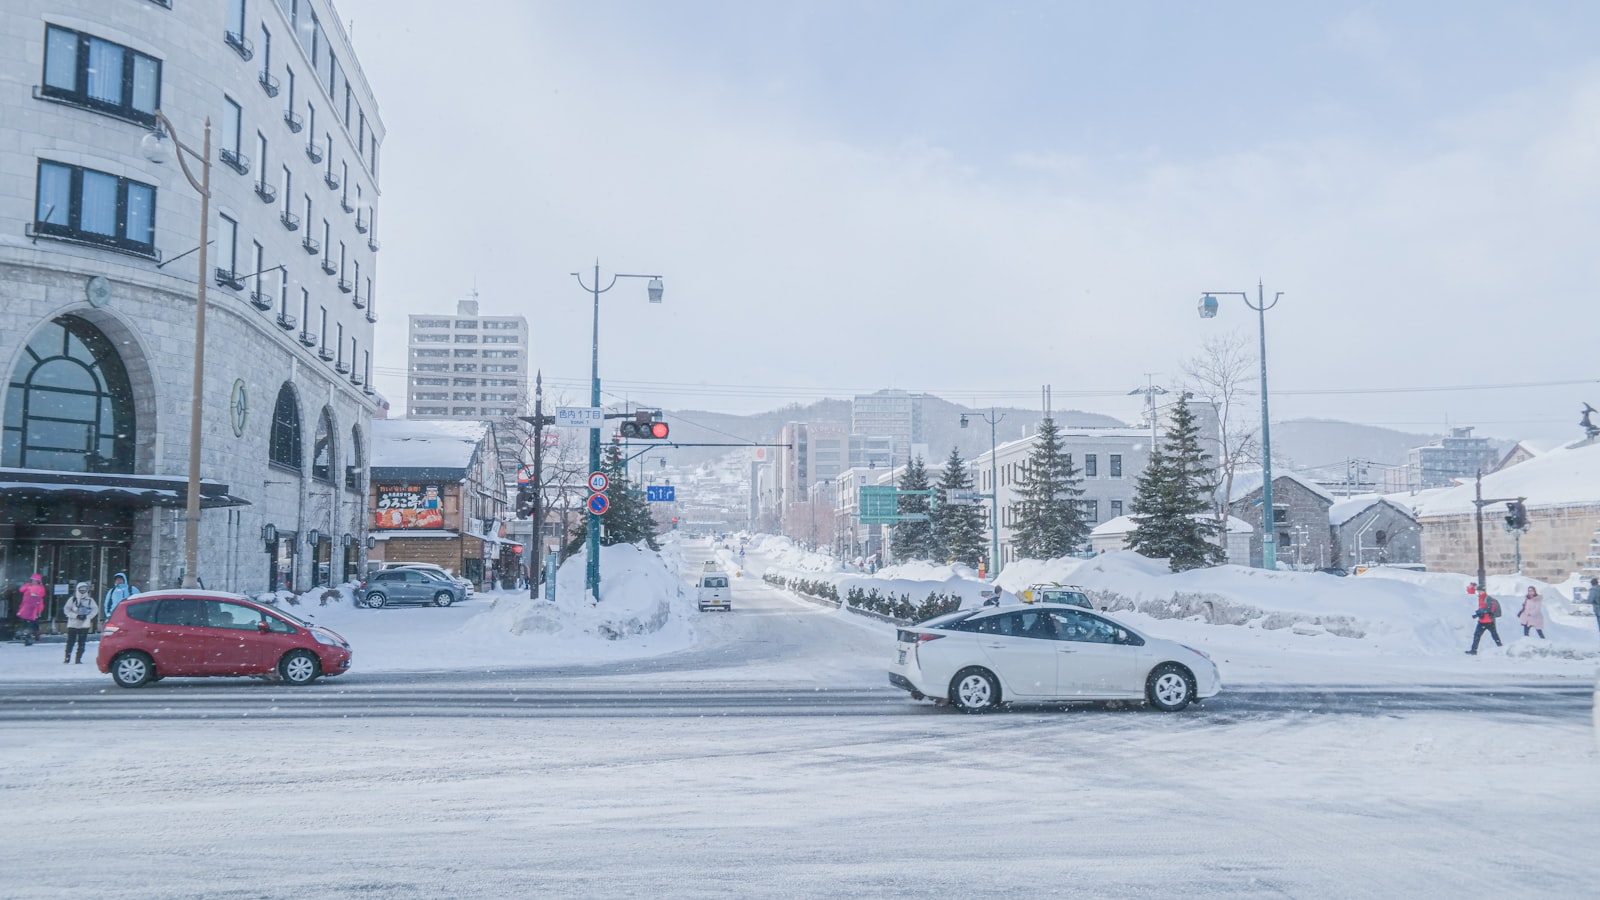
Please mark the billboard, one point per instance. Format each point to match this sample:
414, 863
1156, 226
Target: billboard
409, 506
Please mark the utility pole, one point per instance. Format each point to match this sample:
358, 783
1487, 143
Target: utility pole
533, 556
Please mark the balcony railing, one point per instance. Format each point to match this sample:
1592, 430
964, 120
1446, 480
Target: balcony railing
344, 286
328, 268
359, 302
308, 339
311, 245
260, 301
368, 390
312, 153
361, 225
240, 44
269, 83
344, 204
342, 367
355, 378
291, 222
293, 120
372, 244
234, 160
372, 315
331, 180
229, 279
266, 192
326, 353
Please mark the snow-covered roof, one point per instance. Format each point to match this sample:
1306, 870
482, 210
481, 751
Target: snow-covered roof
421, 444
1125, 524
1248, 482
1566, 476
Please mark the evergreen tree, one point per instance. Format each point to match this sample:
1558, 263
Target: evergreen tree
1049, 520
1172, 495
914, 540
957, 530
628, 520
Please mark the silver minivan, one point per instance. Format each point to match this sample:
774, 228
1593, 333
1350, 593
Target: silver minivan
714, 592
393, 586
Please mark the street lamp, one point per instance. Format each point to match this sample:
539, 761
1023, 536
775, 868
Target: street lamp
592, 541
994, 493
155, 149
1208, 310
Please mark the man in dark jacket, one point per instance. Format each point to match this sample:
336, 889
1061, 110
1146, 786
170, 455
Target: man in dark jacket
1594, 597
1485, 616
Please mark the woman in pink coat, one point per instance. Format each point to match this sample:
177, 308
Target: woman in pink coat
32, 606
1532, 613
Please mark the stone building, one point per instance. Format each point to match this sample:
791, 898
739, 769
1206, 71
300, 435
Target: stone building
1300, 518
1371, 530
99, 262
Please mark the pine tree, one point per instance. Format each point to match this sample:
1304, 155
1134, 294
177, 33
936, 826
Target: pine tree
1049, 520
628, 520
957, 529
914, 540
1172, 494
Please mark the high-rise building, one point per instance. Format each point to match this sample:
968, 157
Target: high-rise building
100, 279
467, 366
1442, 462
894, 414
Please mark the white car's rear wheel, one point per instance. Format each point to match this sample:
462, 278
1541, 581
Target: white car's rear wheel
975, 690
1170, 688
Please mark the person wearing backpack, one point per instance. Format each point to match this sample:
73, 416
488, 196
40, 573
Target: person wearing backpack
1488, 610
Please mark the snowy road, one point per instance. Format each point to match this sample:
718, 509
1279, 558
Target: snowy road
774, 760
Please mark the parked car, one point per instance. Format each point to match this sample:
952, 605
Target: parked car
408, 585
1070, 594
441, 571
195, 633
714, 592
977, 659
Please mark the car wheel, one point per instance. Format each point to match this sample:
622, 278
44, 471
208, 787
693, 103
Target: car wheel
975, 690
132, 669
1170, 687
376, 601
298, 667
443, 598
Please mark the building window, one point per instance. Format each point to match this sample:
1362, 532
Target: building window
1091, 510
465, 367
1116, 508
322, 448
1091, 465
228, 136
500, 339
85, 205
464, 411
284, 444
227, 248
69, 404
431, 382
502, 354
1382, 537
431, 323
1280, 514
433, 367
431, 353
100, 76
1116, 465
353, 461
466, 354
434, 339
466, 339
431, 395
466, 323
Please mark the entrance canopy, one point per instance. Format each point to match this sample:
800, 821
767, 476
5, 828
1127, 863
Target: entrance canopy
91, 488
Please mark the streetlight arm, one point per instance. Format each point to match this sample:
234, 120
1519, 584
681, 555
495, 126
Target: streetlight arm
183, 148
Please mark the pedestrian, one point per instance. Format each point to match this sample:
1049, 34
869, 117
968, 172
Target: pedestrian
81, 610
32, 606
1531, 615
1485, 614
991, 596
1594, 597
119, 591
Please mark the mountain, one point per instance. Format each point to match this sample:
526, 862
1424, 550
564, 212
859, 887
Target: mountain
1323, 447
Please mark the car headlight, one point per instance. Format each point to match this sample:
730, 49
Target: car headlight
1193, 650
328, 638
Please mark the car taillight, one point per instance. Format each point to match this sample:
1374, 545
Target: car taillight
111, 629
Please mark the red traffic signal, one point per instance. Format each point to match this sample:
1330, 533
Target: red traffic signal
644, 430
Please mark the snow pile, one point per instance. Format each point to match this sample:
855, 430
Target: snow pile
784, 553
637, 596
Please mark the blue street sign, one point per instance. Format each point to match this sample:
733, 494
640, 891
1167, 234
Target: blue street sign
599, 503
661, 493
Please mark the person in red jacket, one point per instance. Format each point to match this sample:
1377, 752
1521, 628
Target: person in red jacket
1485, 616
32, 606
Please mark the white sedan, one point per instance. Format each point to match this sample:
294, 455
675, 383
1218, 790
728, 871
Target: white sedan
1044, 653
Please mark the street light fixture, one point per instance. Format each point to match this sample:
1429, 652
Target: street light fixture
592, 538
994, 492
155, 148
1269, 525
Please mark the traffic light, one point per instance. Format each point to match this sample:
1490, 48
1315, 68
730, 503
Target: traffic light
1516, 515
644, 427
524, 501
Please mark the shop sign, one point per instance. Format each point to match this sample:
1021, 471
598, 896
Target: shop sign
409, 506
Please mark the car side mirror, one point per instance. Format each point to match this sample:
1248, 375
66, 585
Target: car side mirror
262, 626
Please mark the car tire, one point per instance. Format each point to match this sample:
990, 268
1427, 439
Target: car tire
443, 598
299, 667
376, 601
975, 690
1169, 688
132, 669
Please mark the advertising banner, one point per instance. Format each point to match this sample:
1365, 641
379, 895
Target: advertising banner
409, 506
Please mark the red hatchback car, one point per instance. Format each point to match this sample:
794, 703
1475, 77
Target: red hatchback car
184, 633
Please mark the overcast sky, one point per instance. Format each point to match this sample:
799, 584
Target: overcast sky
975, 199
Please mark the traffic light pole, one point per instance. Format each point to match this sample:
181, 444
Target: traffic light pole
533, 555
1516, 512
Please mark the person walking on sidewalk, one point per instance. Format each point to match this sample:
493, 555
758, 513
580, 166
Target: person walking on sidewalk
119, 591
1532, 613
1594, 597
81, 610
1488, 610
32, 606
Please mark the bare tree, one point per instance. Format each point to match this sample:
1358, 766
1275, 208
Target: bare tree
1224, 375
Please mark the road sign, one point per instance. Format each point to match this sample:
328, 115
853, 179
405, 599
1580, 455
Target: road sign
598, 504
525, 475
580, 417
880, 504
963, 498
661, 493
598, 482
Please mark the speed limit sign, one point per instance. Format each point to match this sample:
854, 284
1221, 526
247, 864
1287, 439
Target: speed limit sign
598, 482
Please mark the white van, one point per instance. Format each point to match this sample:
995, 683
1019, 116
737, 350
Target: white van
714, 591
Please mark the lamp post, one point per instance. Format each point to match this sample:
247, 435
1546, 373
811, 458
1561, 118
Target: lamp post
155, 149
1208, 309
994, 492
592, 541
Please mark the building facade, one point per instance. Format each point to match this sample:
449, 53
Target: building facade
1445, 461
467, 367
893, 414
1300, 520
98, 288
1373, 531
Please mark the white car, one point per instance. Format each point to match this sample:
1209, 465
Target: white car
714, 591
976, 659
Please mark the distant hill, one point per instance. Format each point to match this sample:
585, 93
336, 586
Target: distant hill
1323, 447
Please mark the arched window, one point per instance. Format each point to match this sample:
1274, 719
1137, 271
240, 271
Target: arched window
352, 461
69, 405
284, 446
322, 449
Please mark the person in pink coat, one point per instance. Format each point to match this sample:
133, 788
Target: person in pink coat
32, 606
1532, 613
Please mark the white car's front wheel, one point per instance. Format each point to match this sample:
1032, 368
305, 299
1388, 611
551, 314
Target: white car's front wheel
1170, 688
975, 690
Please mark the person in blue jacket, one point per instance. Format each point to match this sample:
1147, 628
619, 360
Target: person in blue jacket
120, 590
